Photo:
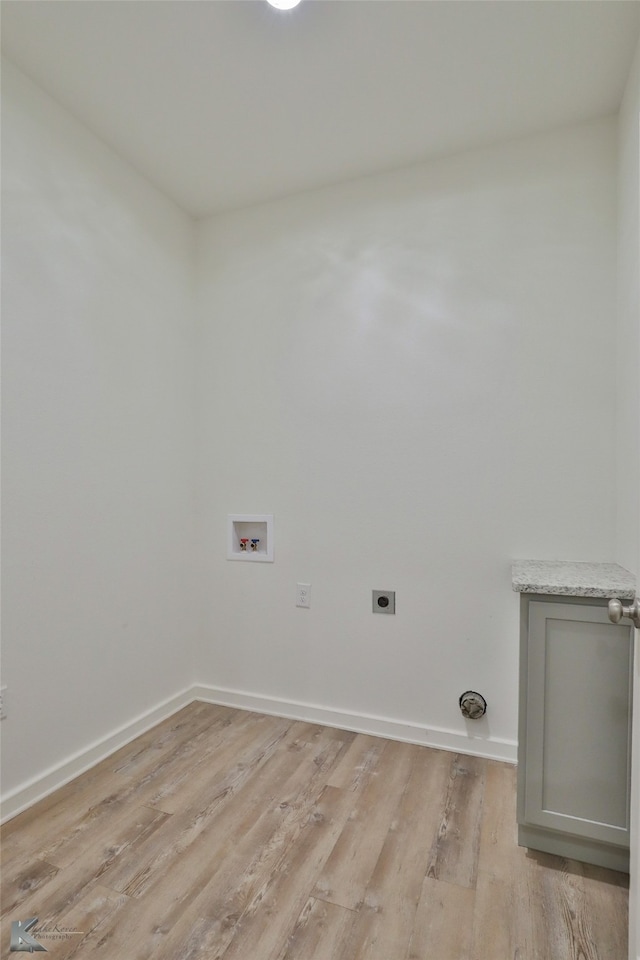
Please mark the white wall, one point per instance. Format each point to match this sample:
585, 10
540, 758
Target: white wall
628, 419
414, 373
98, 600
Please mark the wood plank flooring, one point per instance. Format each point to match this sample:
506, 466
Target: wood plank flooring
227, 835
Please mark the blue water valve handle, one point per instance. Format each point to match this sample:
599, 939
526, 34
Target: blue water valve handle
254, 543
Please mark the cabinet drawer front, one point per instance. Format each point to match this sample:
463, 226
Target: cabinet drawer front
578, 721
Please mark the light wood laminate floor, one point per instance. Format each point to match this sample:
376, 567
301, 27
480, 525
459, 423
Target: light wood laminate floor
227, 835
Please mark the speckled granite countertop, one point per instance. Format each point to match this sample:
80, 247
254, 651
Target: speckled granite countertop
564, 578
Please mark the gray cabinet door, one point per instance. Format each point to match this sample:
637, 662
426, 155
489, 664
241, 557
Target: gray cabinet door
578, 721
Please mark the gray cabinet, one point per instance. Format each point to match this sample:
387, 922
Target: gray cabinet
575, 730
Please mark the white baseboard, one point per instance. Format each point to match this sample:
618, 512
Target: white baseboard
441, 739
56, 776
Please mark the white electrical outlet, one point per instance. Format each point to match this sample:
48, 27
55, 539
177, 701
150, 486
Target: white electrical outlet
303, 595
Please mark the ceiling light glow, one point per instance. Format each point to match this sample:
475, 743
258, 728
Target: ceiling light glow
284, 4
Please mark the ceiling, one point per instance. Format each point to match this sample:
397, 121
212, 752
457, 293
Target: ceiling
223, 103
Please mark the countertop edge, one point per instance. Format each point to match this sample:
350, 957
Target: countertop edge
548, 590
572, 579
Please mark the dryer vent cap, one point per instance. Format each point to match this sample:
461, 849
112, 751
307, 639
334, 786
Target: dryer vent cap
472, 705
